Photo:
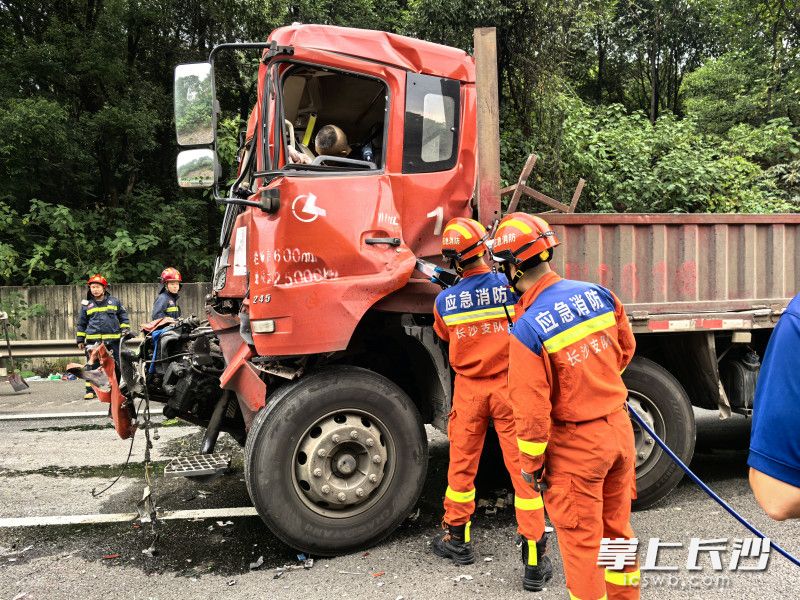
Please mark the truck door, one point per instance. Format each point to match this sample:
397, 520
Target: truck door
335, 246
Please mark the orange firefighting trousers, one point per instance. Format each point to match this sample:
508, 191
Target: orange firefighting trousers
475, 400
590, 468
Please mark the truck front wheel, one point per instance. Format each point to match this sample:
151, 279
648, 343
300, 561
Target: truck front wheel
336, 461
664, 405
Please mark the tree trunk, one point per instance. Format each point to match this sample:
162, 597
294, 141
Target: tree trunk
654, 75
601, 64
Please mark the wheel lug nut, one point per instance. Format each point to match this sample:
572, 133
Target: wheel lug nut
376, 459
649, 441
354, 435
317, 472
325, 489
336, 439
321, 453
360, 493
641, 454
341, 497
370, 442
373, 478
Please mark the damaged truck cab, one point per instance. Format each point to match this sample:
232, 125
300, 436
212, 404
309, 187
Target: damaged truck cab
324, 330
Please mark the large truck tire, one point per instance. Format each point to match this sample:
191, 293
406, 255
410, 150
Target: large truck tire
663, 403
336, 461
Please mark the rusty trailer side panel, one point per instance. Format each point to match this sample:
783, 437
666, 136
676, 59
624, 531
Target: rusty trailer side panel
693, 269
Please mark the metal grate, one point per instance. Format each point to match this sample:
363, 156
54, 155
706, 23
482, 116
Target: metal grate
197, 465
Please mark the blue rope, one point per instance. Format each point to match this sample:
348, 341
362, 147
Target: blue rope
705, 488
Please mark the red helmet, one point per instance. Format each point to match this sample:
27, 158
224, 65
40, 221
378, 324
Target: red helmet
521, 237
97, 278
463, 239
171, 274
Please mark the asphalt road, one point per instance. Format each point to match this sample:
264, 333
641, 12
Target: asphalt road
50, 467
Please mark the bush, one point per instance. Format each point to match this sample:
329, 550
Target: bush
632, 165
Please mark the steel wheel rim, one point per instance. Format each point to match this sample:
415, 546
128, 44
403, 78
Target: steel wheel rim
343, 463
647, 451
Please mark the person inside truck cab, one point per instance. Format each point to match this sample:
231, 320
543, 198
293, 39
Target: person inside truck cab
774, 448
332, 141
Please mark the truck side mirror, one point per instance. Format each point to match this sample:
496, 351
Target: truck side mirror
197, 168
195, 117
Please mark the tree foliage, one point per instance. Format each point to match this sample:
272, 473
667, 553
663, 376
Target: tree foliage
662, 105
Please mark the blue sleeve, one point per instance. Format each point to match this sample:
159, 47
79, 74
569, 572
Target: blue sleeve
83, 320
122, 315
774, 442
159, 308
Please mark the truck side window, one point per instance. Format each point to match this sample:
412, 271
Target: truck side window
430, 139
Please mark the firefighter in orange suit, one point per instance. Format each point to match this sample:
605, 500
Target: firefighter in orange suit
473, 317
567, 352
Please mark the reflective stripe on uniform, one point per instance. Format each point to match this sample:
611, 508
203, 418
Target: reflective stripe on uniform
620, 578
483, 314
528, 503
172, 309
460, 497
125, 325
103, 336
81, 333
467, 534
531, 448
574, 597
533, 553
577, 332
110, 307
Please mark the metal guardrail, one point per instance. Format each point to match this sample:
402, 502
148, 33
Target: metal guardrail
41, 349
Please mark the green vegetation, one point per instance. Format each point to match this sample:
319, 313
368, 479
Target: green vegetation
662, 105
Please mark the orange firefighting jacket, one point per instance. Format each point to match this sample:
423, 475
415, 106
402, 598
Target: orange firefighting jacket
473, 317
566, 357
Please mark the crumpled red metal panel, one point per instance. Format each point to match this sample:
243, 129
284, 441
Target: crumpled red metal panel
123, 424
239, 376
388, 48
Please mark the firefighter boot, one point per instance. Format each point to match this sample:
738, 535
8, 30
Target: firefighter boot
455, 544
89, 395
538, 567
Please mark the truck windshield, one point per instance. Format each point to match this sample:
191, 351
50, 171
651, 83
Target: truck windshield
333, 121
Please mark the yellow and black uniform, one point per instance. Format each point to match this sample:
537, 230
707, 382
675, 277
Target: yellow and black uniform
103, 320
166, 305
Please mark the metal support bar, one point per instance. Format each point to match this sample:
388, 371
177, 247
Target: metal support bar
488, 199
522, 187
44, 348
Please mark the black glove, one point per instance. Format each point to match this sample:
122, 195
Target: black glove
536, 479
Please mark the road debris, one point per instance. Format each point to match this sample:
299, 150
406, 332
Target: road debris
379, 574
488, 559
302, 563
17, 552
257, 564
224, 524
110, 556
349, 573
21, 595
230, 582
462, 578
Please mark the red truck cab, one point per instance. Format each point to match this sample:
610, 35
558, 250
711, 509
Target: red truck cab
325, 329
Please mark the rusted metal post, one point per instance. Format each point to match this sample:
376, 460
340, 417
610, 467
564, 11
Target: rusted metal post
485, 41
